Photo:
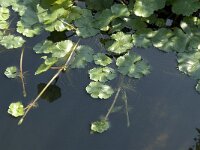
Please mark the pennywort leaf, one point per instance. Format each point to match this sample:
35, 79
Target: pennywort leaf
102, 74
99, 90
100, 126
16, 109
11, 72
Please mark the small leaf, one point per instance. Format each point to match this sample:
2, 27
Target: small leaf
99, 90
16, 109
102, 74
102, 59
100, 126
11, 72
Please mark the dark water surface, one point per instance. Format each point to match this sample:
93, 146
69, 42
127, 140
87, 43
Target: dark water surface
164, 116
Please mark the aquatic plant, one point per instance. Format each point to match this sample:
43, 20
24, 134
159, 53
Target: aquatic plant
170, 26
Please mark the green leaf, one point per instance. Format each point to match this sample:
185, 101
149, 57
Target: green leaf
189, 63
120, 10
123, 42
132, 65
11, 72
4, 13
99, 90
103, 19
84, 55
62, 49
46, 65
11, 41
102, 74
162, 39
85, 25
143, 38
16, 109
185, 7
100, 126
145, 8
45, 47
102, 59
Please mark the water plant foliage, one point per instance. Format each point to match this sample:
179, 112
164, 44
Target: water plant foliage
169, 25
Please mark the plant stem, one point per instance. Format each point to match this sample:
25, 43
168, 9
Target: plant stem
21, 73
126, 109
64, 67
113, 103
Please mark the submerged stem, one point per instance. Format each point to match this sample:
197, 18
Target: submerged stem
126, 109
64, 67
113, 103
21, 73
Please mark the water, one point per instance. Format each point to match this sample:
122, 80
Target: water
165, 109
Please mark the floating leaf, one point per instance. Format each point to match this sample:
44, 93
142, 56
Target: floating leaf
145, 8
120, 10
102, 59
4, 13
85, 25
100, 126
57, 50
142, 39
185, 7
103, 19
84, 54
132, 65
11, 41
99, 90
189, 63
123, 42
102, 74
46, 65
11, 72
45, 47
16, 109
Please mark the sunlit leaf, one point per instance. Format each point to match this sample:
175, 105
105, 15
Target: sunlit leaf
102, 59
11, 41
102, 74
4, 13
11, 72
189, 63
16, 109
123, 42
100, 126
120, 10
145, 8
